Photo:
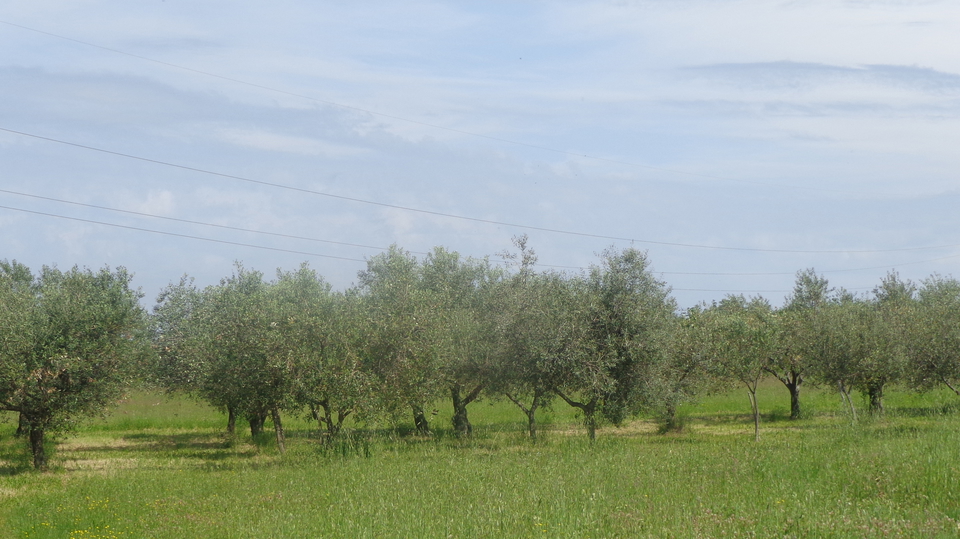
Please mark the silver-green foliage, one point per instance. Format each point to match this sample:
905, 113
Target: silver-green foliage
934, 347
70, 341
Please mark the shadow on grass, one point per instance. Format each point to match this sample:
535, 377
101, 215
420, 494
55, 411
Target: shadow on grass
950, 408
15, 458
212, 448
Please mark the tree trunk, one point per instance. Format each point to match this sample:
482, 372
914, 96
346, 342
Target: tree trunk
589, 410
590, 418
531, 412
795, 411
341, 416
671, 419
22, 426
875, 393
36, 447
461, 423
231, 421
256, 420
420, 421
532, 422
756, 414
316, 417
329, 428
792, 380
333, 427
278, 430
845, 397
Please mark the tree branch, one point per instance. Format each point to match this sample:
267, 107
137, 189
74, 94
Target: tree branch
518, 403
473, 394
569, 401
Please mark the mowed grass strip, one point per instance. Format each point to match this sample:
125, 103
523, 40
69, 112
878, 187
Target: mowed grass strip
819, 477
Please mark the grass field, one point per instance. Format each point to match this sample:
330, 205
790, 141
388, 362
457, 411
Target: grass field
160, 467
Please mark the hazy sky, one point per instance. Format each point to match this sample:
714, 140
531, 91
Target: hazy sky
737, 142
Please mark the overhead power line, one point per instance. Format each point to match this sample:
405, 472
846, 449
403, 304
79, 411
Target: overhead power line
187, 221
174, 234
305, 238
460, 217
419, 122
847, 270
312, 254
748, 291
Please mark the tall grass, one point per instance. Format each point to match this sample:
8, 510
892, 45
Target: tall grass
894, 476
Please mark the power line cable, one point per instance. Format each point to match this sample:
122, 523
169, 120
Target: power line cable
461, 217
187, 221
290, 236
754, 274
750, 291
418, 122
127, 227
142, 214
307, 253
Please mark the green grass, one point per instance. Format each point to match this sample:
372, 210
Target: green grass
160, 467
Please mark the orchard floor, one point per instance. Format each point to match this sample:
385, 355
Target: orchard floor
160, 467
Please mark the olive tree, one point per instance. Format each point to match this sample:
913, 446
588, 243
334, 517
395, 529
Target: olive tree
226, 347
689, 368
173, 324
627, 316
462, 288
540, 336
402, 333
893, 307
745, 335
934, 335
844, 343
538, 333
319, 333
70, 339
798, 320
242, 318
16, 297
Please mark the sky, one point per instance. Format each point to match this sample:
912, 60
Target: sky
737, 142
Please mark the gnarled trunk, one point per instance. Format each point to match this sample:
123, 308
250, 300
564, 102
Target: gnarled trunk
420, 421
951, 386
875, 394
670, 419
36, 447
792, 381
278, 430
329, 426
231, 420
256, 419
461, 423
22, 426
795, 410
589, 410
531, 411
532, 422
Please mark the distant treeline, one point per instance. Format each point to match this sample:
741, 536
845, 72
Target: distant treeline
609, 341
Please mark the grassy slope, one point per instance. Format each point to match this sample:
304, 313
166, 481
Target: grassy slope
160, 468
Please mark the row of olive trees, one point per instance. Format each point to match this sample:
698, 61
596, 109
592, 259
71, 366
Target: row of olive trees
608, 342
901, 334
414, 331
